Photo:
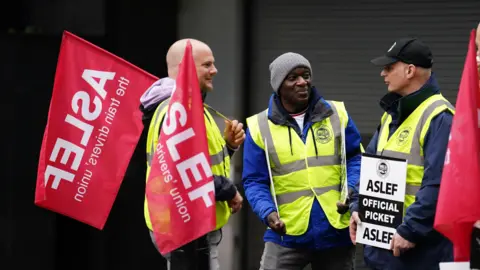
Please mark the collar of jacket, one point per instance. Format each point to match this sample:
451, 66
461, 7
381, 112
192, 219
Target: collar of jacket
318, 109
401, 107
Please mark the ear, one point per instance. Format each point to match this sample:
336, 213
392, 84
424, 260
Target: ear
411, 69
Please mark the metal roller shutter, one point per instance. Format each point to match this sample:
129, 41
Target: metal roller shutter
340, 37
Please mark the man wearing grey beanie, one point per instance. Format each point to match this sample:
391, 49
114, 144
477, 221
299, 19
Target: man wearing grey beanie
301, 201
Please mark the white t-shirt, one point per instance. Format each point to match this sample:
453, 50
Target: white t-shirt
299, 118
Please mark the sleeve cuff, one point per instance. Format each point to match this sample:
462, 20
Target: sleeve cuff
265, 216
407, 234
232, 192
231, 148
353, 207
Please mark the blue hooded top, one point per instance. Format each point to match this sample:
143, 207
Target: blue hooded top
320, 234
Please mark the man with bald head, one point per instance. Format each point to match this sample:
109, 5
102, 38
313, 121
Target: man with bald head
201, 254
416, 127
204, 62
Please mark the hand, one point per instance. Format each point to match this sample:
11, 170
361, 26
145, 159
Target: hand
276, 224
354, 221
477, 224
234, 133
236, 203
342, 208
399, 244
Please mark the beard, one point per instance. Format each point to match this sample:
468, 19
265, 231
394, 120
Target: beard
205, 88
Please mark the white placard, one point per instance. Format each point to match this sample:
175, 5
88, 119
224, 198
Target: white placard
455, 266
381, 199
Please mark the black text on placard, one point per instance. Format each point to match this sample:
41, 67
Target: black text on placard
381, 199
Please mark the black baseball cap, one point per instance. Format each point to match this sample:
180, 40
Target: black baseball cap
407, 50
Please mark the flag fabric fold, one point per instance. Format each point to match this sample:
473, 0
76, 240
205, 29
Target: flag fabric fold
92, 130
180, 188
458, 204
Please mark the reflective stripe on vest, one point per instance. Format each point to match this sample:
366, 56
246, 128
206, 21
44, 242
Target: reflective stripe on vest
219, 161
293, 196
414, 157
281, 169
304, 169
156, 123
215, 159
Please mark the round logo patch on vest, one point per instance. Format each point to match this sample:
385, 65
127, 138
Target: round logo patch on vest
403, 135
323, 134
383, 169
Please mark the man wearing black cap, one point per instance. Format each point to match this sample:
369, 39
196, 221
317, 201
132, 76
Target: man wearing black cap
415, 126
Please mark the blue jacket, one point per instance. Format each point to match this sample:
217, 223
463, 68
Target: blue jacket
320, 234
417, 227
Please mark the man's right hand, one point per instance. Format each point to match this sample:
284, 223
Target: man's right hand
276, 224
236, 203
354, 221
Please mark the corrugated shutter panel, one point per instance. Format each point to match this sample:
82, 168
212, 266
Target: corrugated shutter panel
341, 37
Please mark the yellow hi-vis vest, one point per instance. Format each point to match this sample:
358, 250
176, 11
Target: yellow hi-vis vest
299, 175
407, 141
217, 148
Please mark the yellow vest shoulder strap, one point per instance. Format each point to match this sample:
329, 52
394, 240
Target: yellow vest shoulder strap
384, 117
431, 108
340, 116
255, 124
260, 129
154, 129
435, 108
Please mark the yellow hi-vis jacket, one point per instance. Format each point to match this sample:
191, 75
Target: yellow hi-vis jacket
300, 175
407, 141
217, 148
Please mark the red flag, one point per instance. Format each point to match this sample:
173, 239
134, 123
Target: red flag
93, 128
180, 189
459, 200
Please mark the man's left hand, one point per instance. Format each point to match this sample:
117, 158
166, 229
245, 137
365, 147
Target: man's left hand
343, 208
400, 244
236, 203
234, 133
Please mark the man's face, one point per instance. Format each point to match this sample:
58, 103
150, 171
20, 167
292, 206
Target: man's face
206, 70
396, 76
295, 89
477, 41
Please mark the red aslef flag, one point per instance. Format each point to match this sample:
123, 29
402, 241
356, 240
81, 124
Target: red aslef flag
459, 200
93, 128
180, 188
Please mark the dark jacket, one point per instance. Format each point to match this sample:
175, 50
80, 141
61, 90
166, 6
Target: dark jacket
320, 234
417, 227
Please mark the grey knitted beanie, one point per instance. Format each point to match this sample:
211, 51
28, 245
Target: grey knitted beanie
282, 65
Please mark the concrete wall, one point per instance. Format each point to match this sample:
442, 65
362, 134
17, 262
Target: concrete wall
219, 24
